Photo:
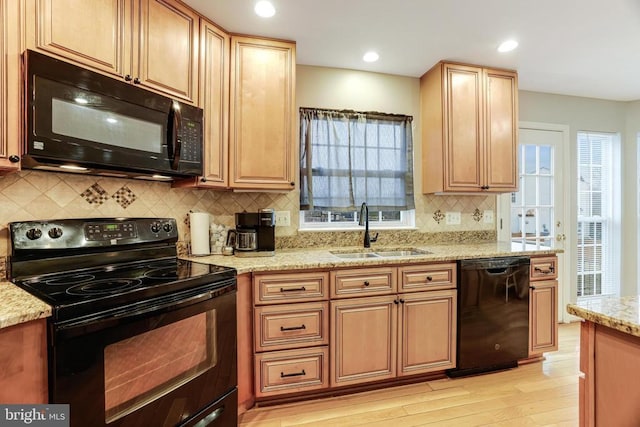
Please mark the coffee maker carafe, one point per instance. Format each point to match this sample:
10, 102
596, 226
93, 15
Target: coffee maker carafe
255, 233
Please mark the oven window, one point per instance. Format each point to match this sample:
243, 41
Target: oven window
143, 368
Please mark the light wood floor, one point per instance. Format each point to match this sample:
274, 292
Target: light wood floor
539, 394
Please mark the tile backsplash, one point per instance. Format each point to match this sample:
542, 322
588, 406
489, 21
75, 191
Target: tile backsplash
32, 194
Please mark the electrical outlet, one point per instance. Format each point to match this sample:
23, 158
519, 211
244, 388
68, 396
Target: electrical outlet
283, 218
452, 218
488, 216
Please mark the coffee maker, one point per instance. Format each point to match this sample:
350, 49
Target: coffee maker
255, 233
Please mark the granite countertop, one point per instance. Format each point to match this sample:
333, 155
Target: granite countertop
19, 306
620, 313
300, 259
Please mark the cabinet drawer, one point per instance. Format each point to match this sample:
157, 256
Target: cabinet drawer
291, 326
293, 371
543, 268
290, 287
363, 281
427, 277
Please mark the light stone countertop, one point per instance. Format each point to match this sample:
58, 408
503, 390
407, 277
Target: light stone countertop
301, 259
19, 306
620, 313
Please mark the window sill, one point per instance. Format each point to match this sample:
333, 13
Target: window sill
333, 229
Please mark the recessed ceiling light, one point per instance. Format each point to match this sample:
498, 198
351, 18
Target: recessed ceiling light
370, 57
264, 9
81, 100
507, 46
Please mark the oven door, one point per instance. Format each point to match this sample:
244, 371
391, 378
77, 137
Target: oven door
159, 363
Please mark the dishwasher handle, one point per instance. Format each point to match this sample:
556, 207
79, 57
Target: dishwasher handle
496, 265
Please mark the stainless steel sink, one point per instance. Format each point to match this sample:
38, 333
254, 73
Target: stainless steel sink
361, 254
355, 255
403, 252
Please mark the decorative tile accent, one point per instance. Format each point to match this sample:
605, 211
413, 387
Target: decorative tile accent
477, 215
438, 216
95, 195
124, 196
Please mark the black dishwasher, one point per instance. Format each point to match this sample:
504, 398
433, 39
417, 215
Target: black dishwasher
493, 314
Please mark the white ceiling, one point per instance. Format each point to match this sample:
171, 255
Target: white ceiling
585, 48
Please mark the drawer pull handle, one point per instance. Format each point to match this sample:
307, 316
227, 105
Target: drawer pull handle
429, 278
293, 328
366, 283
295, 374
548, 271
300, 289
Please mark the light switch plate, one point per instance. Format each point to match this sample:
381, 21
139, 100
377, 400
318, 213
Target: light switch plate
452, 218
488, 216
283, 218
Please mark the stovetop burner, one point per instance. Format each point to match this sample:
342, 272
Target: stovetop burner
103, 287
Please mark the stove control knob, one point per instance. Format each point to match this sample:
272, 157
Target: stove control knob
34, 233
55, 232
167, 227
155, 227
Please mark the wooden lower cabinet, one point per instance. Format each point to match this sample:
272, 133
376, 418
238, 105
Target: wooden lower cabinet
291, 371
608, 392
378, 338
363, 340
427, 332
543, 305
23, 363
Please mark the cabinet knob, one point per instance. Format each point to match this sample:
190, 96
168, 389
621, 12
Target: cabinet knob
366, 283
293, 184
401, 301
14, 159
203, 179
136, 81
429, 278
395, 301
484, 187
128, 78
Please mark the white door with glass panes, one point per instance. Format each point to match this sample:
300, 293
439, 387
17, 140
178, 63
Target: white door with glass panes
534, 216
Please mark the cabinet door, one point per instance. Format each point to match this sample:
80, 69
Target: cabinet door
23, 361
10, 84
427, 331
543, 317
262, 104
463, 124
500, 142
363, 340
97, 36
214, 97
166, 48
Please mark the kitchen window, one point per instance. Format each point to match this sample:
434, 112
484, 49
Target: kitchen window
598, 233
347, 158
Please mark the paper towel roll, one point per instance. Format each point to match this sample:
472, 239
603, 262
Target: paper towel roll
199, 233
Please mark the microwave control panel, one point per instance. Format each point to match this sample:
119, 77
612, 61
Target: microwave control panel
191, 134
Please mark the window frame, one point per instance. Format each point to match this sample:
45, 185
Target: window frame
407, 222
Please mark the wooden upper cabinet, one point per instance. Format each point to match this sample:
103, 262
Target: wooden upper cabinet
262, 123
469, 129
97, 36
10, 84
153, 43
167, 54
214, 99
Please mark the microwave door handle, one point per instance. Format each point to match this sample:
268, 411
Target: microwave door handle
176, 141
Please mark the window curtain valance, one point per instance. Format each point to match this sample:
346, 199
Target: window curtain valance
348, 157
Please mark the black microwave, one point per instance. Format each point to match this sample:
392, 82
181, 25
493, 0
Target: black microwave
81, 121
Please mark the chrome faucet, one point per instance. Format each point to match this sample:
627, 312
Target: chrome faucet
364, 220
